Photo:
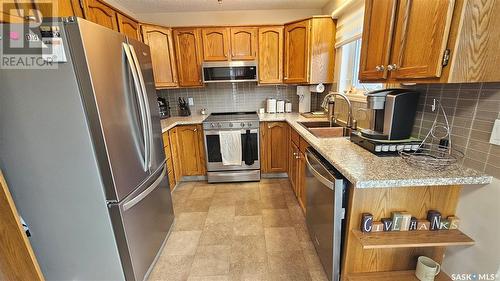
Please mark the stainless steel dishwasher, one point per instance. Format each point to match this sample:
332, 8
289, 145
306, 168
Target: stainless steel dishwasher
326, 199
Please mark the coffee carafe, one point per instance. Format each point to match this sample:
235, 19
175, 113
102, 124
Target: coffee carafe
393, 114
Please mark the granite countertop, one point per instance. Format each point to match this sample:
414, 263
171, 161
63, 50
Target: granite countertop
361, 168
366, 170
169, 123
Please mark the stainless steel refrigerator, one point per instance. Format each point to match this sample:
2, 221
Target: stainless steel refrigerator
81, 150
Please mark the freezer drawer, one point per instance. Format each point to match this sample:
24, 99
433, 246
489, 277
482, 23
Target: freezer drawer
325, 212
145, 221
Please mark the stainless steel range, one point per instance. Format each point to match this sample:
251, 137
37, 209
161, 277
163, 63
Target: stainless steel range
247, 124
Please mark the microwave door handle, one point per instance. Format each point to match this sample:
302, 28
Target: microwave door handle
146, 105
140, 100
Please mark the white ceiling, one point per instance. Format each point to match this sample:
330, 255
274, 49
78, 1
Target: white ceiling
167, 6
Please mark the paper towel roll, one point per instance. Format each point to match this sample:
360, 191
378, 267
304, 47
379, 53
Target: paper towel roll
319, 88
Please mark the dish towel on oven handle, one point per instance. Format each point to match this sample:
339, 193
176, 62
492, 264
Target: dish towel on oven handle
249, 151
230, 147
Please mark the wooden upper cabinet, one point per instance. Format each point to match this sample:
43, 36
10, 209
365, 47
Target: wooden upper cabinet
17, 11
215, 44
309, 51
243, 43
102, 14
161, 45
271, 55
297, 52
128, 26
377, 38
188, 52
420, 38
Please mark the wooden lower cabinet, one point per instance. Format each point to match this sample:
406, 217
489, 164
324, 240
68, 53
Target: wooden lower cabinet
274, 147
297, 167
188, 153
170, 163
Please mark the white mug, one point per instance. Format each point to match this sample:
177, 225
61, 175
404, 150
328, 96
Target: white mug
427, 269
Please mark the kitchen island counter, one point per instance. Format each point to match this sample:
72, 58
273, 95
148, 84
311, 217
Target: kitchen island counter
364, 169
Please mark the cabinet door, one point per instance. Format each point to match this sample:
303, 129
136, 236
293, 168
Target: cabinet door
189, 56
271, 55
377, 37
420, 38
189, 150
160, 42
301, 180
172, 135
17, 11
297, 36
67, 8
128, 26
292, 162
102, 14
243, 43
277, 147
215, 44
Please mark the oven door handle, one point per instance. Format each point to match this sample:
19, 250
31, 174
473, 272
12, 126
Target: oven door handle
243, 131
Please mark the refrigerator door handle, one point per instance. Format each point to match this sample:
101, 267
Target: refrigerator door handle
146, 103
140, 98
146, 192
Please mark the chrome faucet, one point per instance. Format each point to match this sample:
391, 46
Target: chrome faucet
351, 123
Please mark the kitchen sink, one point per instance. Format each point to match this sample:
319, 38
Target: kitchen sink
323, 129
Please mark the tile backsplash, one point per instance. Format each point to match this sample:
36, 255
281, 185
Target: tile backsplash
227, 97
472, 110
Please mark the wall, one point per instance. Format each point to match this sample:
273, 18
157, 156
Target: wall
227, 97
471, 110
247, 17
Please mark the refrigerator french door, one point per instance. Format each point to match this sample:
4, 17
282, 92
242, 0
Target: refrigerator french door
101, 209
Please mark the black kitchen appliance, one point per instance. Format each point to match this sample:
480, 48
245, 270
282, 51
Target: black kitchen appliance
184, 107
164, 108
394, 114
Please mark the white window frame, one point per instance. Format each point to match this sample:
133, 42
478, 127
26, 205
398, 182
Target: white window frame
348, 72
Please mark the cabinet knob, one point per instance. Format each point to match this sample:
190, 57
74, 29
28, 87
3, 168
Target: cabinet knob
380, 68
194, 130
392, 67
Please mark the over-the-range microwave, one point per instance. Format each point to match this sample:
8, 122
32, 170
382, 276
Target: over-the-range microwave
232, 71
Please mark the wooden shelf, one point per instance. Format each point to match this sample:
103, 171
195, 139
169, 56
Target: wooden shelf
408, 275
412, 239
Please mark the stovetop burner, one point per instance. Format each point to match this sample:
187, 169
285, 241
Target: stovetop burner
232, 116
232, 120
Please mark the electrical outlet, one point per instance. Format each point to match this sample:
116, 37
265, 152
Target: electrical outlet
495, 133
190, 101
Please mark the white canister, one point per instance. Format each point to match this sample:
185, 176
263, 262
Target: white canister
288, 107
271, 105
280, 106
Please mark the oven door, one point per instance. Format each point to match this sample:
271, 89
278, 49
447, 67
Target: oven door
214, 157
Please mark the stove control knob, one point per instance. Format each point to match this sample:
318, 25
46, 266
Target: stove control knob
249, 124
212, 125
231, 125
219, 125
242, 124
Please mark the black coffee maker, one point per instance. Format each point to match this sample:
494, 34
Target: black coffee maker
164, 108
393, 114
